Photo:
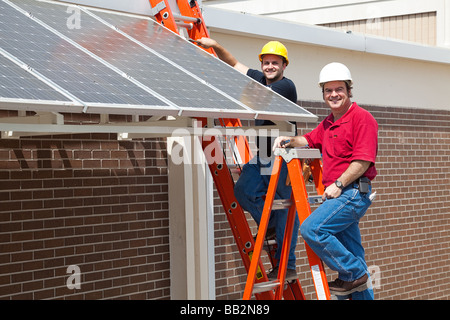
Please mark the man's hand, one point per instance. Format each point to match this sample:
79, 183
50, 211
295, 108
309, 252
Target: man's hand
331, 192
291, 142
281, 142
206, 43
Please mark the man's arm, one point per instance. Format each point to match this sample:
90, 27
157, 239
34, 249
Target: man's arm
355, 170
222, 53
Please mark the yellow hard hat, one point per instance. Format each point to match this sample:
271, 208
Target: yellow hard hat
274, 47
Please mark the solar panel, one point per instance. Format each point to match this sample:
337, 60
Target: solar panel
267, 103
16, 83
111, 61
187, 92
67, 66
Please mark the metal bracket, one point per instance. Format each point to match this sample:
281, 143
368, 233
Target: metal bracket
297, 153
156, 9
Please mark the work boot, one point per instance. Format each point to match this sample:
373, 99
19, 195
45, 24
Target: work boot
342, 288
270, 234
291, 274
269, 240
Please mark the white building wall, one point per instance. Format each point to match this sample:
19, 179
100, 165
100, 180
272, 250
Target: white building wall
334, 11
378, 79
385, 71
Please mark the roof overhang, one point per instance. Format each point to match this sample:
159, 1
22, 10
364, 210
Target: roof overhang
232, 22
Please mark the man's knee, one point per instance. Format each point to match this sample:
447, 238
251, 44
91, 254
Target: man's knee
306, 231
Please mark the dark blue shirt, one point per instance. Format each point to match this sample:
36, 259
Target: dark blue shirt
284, 87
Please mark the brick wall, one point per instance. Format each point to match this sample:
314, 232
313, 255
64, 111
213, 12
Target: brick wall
86, 200
101, 204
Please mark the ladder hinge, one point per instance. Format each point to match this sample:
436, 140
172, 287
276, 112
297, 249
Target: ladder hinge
297, 153
157, 8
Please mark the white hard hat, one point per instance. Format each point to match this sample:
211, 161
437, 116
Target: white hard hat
335, 71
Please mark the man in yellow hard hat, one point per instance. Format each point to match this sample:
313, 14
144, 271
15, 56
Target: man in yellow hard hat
274, 60
253, 182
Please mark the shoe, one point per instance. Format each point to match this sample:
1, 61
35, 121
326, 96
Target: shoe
270, 234
291, 274
342, 288
269, 240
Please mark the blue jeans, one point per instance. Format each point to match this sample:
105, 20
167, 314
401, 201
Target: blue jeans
332, 232
249, 190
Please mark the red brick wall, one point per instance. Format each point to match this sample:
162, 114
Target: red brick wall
101, 204
86, 200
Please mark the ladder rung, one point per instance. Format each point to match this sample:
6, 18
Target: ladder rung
186, 18
281, 204
285, 203
188, 26
270, 242
265, 286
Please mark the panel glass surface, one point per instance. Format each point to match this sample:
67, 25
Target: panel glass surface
66, 65
185, 91
206, 67
16, 83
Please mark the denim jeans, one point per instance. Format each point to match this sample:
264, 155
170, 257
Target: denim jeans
249, 190
332, 232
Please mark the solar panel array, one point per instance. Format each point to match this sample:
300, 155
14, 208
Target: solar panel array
117, 63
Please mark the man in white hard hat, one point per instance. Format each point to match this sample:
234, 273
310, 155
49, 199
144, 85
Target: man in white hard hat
348, 140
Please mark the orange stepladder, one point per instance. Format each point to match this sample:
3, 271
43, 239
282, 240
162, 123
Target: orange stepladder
300, 203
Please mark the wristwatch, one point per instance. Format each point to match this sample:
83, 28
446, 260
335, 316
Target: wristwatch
339, 184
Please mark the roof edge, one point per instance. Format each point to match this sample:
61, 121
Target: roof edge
253, 25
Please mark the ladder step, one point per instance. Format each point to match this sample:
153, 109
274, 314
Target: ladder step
285, 203
186, 18
188, 26
270, 285
265, 286
281, 204
271, 242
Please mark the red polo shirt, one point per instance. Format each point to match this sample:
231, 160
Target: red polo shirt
352, 137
